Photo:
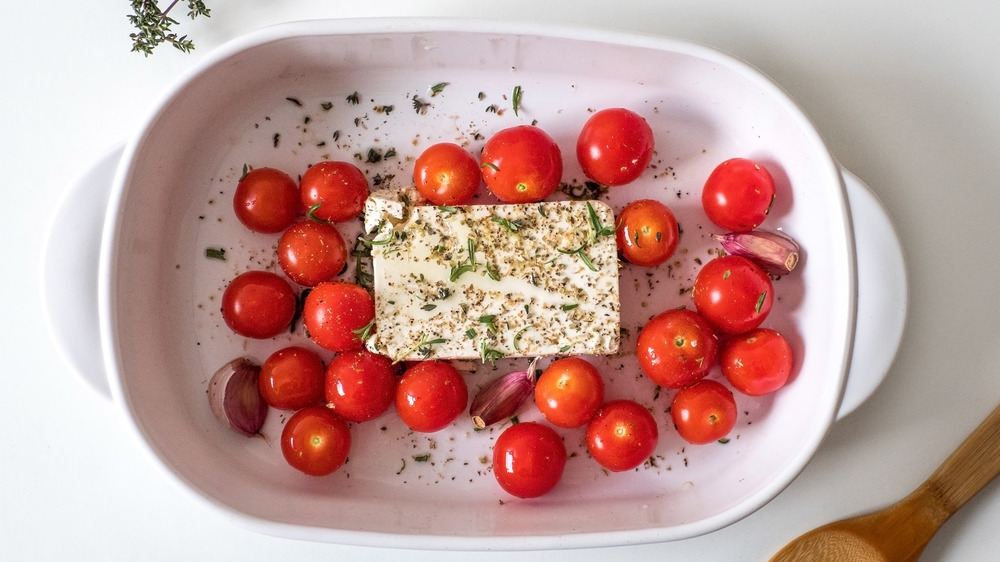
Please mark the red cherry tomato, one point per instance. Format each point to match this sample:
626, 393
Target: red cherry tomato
430, 395
569, 392
622, 435
528, 459
311, 252
733, 293
521, 164
676, 348
738, 194
360, 385
446, 174
266, 200
703, 412
337, 313
615, 146
292, 378
316, 441
756, 362
258, 304
334, 191
648, 233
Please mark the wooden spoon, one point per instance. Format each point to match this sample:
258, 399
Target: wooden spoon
900, 532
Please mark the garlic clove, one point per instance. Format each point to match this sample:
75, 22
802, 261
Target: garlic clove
776, 252
234, 396
502, 397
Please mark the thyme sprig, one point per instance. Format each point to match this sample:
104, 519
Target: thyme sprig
155, 27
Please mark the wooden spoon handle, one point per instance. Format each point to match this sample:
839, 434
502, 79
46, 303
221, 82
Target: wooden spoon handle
972, 466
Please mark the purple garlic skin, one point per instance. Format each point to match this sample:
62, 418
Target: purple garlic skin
776, 252
502, 397
234, 396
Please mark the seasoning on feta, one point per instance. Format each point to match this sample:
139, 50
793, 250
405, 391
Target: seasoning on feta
491, 281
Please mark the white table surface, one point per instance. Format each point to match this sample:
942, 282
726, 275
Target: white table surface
907, 97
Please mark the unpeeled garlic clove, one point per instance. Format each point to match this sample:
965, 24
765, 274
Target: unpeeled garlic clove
776, 252
234, 395
502, 397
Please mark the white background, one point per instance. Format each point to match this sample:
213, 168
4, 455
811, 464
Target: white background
907, 97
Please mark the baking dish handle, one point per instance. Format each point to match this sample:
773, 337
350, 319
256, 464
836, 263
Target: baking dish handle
882, 294
69, 270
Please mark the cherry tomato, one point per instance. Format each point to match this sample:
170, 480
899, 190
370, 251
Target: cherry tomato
648, 233
334, 191
258, 304
446, 174
311, 252
266, 200
528, 459
292, 378
676, 348
337, 313
733, 293
738, 194
316, 441
703, 412
569, 392
757, 362
615, 146
622, 435
430, 395
521, 164
360, 385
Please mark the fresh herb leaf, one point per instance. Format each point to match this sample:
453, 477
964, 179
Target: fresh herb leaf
487, 353
510, 225
581, 252
490, 321
472, 252
760, 301
362, 253
215, 254
516, 98
364, 332
517, 338
492, 272
597, 227
458, 270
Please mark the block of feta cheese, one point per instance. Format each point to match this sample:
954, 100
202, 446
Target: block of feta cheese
492, 281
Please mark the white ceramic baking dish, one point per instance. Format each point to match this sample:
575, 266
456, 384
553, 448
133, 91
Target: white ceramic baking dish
278, 97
